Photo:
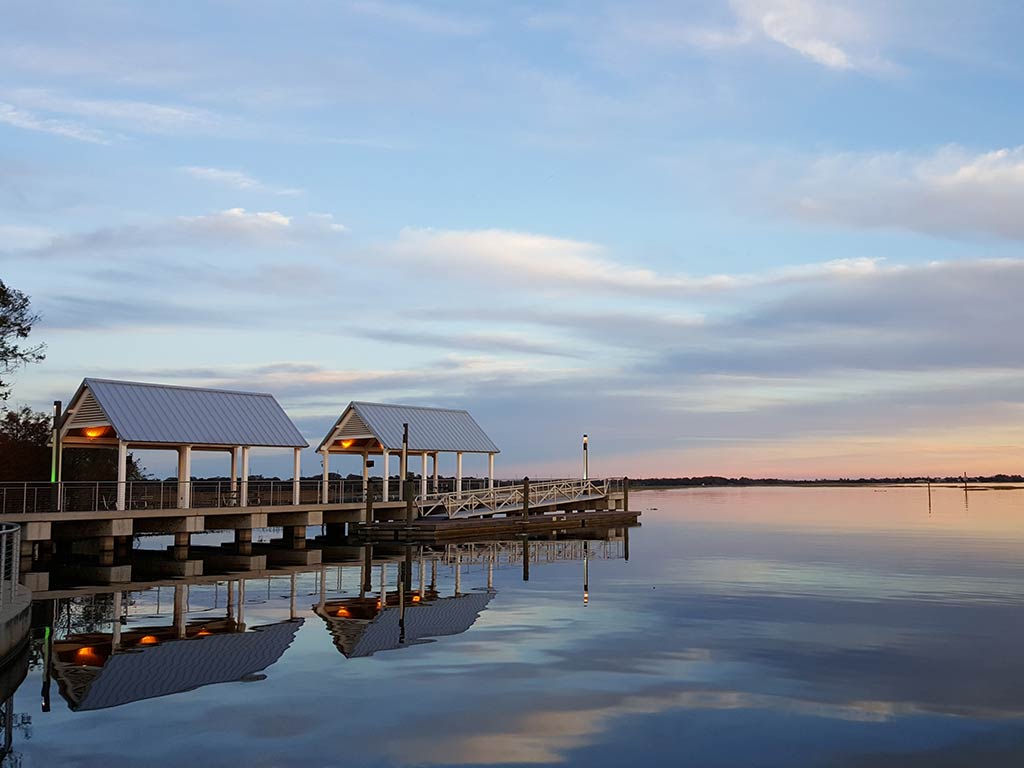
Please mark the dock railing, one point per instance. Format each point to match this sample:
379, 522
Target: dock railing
10, 561
511, 498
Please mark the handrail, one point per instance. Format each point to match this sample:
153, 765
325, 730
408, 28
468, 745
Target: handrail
10, 561
489, 501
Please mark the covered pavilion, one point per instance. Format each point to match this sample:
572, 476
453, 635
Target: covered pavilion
129, 414
380, 429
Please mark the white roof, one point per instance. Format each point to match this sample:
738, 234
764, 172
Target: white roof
430, 429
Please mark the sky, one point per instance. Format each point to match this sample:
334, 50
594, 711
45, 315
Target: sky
748, 237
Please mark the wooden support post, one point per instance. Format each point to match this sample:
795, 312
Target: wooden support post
243, 541
106, 550
297, 477
625, 494
368, 517
409, 494
182, 540
295, 536
526, 498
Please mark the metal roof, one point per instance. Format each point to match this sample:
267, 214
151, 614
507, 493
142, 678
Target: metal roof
430, 429
160, 413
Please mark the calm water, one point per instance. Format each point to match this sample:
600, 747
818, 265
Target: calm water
749, 627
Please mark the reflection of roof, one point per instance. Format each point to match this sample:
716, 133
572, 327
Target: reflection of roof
439, 618
430, 429
174, 667
159, 413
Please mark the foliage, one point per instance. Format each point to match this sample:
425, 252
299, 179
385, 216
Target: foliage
24, 435
16, 321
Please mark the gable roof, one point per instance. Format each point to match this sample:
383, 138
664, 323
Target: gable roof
430, 429
161, 413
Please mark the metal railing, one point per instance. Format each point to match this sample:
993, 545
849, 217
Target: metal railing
510, 498
10, 561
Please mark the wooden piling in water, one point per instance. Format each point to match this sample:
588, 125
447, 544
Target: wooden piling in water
526, 497
625, 494
408, 493
369, 509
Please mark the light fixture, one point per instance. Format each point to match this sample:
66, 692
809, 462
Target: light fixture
347, 443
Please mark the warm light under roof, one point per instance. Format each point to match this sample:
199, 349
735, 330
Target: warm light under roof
347, 443
95, 431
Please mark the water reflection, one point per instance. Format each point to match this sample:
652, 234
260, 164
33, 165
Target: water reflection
767, 627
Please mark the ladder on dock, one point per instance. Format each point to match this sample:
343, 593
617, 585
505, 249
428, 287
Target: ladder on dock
544, 495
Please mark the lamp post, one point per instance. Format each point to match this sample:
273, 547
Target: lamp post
586, 461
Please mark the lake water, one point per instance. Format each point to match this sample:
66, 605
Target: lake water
749, 627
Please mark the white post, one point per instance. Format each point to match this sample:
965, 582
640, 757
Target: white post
122, 472
327, 475
234, 470
243, 492
184, 476
296, 476
458, 473
490, 471
435, 473
384, 468
366, 475
423, 475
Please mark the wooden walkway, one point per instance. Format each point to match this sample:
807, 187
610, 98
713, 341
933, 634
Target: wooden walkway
427, 530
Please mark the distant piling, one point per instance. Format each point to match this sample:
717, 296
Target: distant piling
526, 498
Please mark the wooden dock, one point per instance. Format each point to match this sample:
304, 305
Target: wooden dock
430, 530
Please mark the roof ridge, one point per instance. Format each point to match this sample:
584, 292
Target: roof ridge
416, 407
179, 386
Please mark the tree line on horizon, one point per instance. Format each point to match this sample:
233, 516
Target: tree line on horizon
718, 481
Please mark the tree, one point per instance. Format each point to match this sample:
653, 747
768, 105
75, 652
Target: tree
16, 321
24, 435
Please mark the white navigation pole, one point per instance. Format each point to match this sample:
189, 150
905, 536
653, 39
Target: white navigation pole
586, 462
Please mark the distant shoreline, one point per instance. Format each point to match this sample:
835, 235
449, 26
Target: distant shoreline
746, 482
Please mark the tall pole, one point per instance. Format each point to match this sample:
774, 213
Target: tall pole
586, 461
55, 460
405, 458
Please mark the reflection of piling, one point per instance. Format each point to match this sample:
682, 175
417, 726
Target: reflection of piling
50, 608
423, 575
401, 608
433, 575
526, 559
458, 573
490, 569
586, 572
383, 585
367, 581
241, 605
625, 543
179, 611
929, 495
115, 635
291, 606
407, 565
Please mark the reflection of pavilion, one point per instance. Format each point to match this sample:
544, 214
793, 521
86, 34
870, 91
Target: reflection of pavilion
360, 627
153, 662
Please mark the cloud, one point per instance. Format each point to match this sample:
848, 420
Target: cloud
234, 226
20, 118
835, 35
951, 191
237, 179
410, 15
127, 115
